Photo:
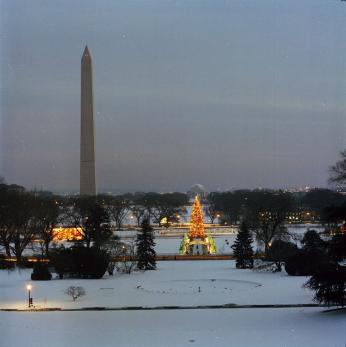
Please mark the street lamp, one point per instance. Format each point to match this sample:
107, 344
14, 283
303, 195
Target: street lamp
124, 253
28, 287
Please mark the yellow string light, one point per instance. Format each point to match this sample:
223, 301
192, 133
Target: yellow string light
196, 229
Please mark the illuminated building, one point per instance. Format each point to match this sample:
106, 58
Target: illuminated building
67, 234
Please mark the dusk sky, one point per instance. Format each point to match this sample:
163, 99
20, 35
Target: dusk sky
229, 94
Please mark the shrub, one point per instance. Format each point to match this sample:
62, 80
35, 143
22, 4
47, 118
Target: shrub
62, 261
337, 247
5, 264
80, 262
41, 272
75, 292
312, 241
329, 284
280, 251
24, 263
305, 263
127, 259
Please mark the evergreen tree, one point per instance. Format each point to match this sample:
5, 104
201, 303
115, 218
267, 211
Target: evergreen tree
145, 247
329, 284
97, 226
280, 251
337, 246
312, 241
242, 248
329, 279
196, 229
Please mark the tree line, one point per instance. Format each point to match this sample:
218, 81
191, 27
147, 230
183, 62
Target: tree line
232, 206
29, 218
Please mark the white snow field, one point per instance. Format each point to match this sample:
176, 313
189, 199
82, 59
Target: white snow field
174, 328
184, 283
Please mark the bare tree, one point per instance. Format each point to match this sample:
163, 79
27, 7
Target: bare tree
76, 215
22, 229
265, 215
118, 208
92, 218
139, 212
24, 216
338, 171
75, 292
162, 206
113, 247
46, 217
10, 198
127, 259
210, 212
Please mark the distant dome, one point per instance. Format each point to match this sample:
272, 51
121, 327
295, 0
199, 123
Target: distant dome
197, 189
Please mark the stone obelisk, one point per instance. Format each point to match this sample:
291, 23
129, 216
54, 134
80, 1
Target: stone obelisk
87, 147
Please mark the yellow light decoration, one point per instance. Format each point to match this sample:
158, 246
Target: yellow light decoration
164, 220
67, 234
196, 229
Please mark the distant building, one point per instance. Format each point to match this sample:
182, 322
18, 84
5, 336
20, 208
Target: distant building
197, 190
67, 234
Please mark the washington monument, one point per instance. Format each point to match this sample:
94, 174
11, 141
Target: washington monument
87, 146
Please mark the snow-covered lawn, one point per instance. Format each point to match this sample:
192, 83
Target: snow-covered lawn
177, 328
173, 283
186, 283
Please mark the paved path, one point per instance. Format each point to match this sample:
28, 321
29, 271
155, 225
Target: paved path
144, 308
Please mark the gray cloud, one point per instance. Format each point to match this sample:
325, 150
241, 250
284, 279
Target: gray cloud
225, 93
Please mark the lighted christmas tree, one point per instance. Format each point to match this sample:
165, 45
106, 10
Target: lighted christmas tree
196, 221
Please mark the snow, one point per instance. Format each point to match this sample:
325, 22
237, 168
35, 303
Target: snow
170, 245
173, 283
227, 327
168, 240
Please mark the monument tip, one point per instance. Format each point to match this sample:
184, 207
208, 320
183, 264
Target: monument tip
86, 52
